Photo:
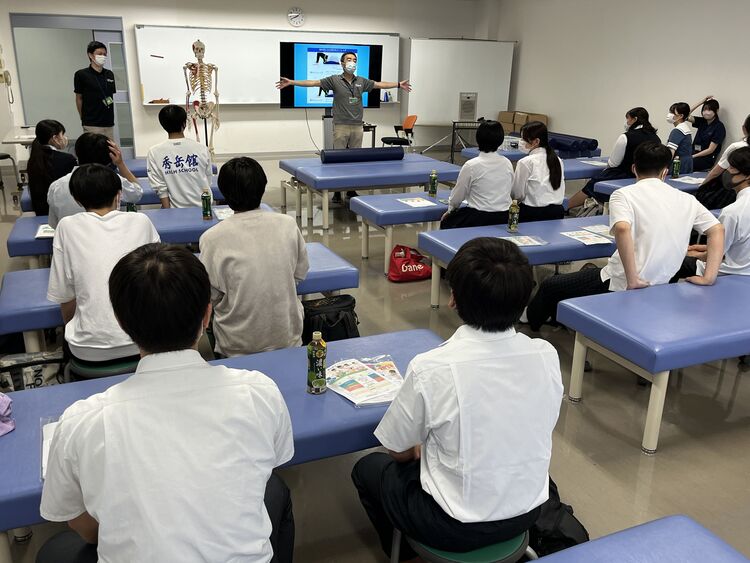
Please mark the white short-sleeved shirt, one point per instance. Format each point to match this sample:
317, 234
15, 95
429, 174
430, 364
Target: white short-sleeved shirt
736, 221
661, 218
724, 160
62, 204
531, 183
483, 405
485, 182
179, 439
85, 249
180, 169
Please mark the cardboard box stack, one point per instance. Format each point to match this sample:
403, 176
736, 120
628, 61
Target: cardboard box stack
512, 121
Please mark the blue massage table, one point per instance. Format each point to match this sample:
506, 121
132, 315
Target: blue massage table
383, 211
655, 330
674, 538
318, 179
184, 225
138, 167
573, 168
608, 187
324, 426
24, 306
443, 245
149, 196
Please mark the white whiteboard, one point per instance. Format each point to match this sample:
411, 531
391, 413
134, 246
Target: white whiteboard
248, 59
440, 69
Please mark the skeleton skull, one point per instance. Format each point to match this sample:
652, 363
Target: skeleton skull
199, 49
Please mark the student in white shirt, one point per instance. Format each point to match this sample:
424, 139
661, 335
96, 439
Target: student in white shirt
736, 221
255, 259
538, 182
651, 222
86, 247
179, 168
91, 148
174, 463
723, 164
484, 182
469, 435
638, 130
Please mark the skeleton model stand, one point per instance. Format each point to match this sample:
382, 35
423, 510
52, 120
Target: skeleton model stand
200, 77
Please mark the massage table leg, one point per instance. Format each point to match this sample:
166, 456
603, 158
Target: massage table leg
365, 239
576, 371
388, 248
659, 383
324, 195
435, 285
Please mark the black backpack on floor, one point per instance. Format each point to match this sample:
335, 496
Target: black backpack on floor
556, 528
333, 316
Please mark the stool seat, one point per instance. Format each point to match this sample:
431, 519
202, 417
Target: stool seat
84, 371
395, 141
4, 156
508, 551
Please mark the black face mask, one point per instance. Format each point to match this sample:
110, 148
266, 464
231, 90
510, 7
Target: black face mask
727, 180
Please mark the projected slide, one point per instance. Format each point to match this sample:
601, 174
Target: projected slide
316, 61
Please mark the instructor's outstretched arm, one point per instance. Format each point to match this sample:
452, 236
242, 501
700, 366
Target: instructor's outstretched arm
284, 82
404, 85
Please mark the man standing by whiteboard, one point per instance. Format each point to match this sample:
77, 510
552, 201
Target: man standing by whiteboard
348, 112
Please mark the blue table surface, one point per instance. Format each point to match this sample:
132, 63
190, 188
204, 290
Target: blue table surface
443, 245
667, 326
386, 209
573, 168
412, 170
24, 305
181, 226
323, 426
514, 155
610, 186
670, 539
139, 168
149, 196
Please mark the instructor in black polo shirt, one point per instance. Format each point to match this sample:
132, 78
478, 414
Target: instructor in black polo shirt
348, 112
94, 87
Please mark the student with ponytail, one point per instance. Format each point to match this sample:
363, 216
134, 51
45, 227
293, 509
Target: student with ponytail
538, 182
638, 130
47, 162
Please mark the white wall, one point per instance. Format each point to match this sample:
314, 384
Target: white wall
43, 85
263, 129
586, 62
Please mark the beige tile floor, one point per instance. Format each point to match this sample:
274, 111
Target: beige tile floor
700, 469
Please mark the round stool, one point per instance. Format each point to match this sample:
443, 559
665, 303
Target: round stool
6, 156
508, 551
75, 371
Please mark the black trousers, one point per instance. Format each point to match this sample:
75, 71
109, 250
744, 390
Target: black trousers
529, 214
470, 217
689, 268
554, 289
392, 496
68, 547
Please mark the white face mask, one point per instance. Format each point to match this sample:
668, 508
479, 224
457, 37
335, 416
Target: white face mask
626, 127
350, 67
708, 115
524, 147
670, 118
100, 59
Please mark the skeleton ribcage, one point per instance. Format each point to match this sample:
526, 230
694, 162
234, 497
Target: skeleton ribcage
201, 81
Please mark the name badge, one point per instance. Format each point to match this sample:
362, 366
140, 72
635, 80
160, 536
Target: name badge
108, 101
353, 100
697, 148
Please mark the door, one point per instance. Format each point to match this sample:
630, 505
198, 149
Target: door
116, 63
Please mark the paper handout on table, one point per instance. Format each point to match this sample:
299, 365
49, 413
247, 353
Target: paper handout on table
362, 384
600, 163
222, 213
45, 231
689, 180
522, 240
587, 238
48, 430
602, 230
417, 202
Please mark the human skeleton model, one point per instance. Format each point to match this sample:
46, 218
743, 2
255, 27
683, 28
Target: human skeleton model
200, 77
